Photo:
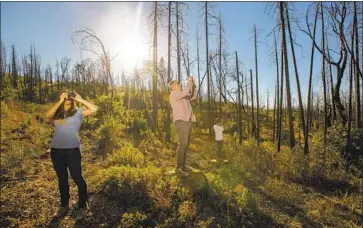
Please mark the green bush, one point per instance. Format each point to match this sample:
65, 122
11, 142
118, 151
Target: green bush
7, 92
111, 133
187, 210
19, 162
134, 220
228, 181
109, 108
147, 175
127, 155
136, 124
4, 109
29, 107
336, 153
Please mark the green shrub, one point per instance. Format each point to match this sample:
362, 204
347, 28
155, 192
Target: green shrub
19, 161
187, 210
134, 220
136, 124
4, 109
111, 133
7, 92
228, 181
11, 160
127, 155
148, 174
109, 108
29, 107
336, 153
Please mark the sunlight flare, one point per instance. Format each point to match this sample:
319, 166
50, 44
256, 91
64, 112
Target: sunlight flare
134, 51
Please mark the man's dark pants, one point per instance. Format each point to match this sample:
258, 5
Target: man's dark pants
220, 153
183, 128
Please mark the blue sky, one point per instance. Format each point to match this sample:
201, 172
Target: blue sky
49, 26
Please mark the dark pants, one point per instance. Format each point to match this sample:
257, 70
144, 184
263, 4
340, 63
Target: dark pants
219, 151
71, 159
183, 129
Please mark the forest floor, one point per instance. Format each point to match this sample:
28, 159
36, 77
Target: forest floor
29, 198
289, 204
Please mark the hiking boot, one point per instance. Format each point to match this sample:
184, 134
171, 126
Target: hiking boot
81, 213
63, 210
181, 172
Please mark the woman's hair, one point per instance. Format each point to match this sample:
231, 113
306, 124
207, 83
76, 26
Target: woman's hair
62, 114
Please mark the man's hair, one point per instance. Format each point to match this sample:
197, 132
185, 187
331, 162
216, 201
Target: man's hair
171, 84
217, 120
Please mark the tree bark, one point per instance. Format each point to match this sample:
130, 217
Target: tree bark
277, 87
252, 106
155, 59
302, 118
334, 115
209, 122
239, 118
178, 41
220, 67
323, 76
168, 111
279, 125
357, 118
257, 136
286, 64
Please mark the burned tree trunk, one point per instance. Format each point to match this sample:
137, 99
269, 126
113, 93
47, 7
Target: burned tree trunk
287, 77
239, 118
257, 135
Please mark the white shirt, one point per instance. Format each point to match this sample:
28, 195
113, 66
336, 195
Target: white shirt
218, 132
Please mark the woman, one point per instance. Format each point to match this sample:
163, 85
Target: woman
65, 149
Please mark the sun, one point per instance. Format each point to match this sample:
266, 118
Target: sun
134, 52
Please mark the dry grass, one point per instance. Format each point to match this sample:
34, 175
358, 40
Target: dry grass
257, 188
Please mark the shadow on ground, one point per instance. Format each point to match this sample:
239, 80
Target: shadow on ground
329, 186
123, 203
210, 204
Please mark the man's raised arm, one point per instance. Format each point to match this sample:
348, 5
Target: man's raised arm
185, 92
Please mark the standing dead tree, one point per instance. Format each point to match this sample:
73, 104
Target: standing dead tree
309, 99
287, 77
90, 42
239, 118
257, 135
337, 13
155, 63
207, 12
168, 110
302, 118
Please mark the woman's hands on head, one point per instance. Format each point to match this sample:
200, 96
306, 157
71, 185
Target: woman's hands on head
63, 95
70, 94
78, 97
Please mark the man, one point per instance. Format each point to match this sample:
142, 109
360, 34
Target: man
182, 118
218, 130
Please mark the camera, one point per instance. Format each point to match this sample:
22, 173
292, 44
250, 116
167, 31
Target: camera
71, 95
190, 77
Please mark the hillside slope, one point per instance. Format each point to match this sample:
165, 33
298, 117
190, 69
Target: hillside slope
129, 186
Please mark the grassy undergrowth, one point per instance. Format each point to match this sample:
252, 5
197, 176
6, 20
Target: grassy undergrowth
125, 167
